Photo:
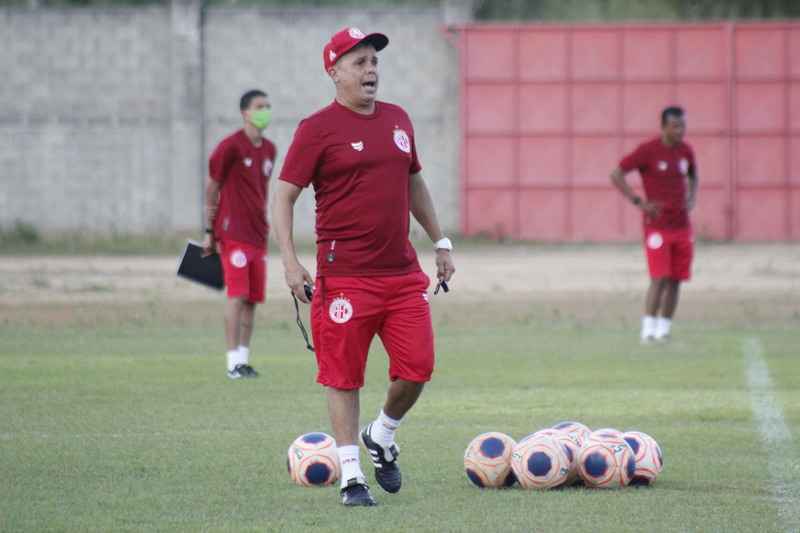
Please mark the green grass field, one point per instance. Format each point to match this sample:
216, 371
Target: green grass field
120, 418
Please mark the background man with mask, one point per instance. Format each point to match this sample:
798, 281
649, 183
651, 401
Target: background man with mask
236, 217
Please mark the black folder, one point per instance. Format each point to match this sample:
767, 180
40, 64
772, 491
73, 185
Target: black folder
204, 270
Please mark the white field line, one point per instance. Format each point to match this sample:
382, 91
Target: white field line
784, 468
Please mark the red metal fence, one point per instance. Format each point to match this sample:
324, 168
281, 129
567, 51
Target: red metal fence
549, 110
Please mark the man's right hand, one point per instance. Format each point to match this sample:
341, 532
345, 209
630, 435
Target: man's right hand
209, 245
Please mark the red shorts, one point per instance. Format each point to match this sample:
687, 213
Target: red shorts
245, 270
669, 253
347, 313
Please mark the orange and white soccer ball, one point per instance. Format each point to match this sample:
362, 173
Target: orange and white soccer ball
606, 460
572, 445
575, 428
313, 460
647, 453
487, 460
539, 462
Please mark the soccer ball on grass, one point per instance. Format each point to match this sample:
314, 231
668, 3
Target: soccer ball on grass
313, 460
487, 460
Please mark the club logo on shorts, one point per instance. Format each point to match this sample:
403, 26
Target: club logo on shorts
401, 140
357, 146
655, 240
341, 310
238, 259
425, 296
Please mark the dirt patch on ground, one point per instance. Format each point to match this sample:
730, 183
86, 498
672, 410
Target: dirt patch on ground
734, 284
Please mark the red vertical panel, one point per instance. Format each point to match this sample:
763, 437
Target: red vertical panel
710, 213
499, 117
489, 162
543, 54
596, 108
643, 103
713, 163
760, 52
548, 110
647, 53
543, 161
761, 161
587, 153
594, 214
543, 215
595, 54
489, 211
761, 107
700, 52
543, 108
706, 105
761, 214
794, 161
489, 54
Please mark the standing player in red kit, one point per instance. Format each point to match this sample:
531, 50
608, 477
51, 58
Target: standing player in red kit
360, 156
236, 218
667, 166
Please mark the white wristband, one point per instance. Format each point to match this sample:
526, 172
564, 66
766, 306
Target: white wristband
443, 244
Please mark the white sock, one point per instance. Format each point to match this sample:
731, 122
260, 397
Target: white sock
234, 358
662, 327
383, 429
350, 464
648, 326
244, 355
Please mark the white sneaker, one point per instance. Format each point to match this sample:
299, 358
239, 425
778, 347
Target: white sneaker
648, 340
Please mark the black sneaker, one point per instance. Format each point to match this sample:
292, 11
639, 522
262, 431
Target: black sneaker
357, 494
243, 371
387, 473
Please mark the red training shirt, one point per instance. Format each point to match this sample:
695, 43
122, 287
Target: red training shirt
243, 171
359, 166
664, 171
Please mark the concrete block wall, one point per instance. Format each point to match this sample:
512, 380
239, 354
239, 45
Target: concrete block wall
108, 116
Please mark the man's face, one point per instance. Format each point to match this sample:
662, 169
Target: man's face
673, 130
256, 104
356, 76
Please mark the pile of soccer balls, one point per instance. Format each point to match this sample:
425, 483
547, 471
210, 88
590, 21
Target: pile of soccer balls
569, 453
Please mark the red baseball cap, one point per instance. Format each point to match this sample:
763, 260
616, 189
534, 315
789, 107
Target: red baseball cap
346, 40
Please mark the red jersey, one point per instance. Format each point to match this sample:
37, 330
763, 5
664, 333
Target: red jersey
243, 170
359, 166
664, 172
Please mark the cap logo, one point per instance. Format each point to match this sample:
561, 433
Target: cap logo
355, 33
331, 56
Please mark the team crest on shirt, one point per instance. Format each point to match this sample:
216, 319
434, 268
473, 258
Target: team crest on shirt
238, 259
401, 140
247, 161
683, 166
341, 310
662, 166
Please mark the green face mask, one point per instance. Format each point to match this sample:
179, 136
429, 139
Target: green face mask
261, 118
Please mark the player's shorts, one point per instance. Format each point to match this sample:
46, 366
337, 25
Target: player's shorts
669, 253
244, 268
347, 313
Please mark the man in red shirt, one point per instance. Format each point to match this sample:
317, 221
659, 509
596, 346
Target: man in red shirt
360, 156
236, 218
667, 166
